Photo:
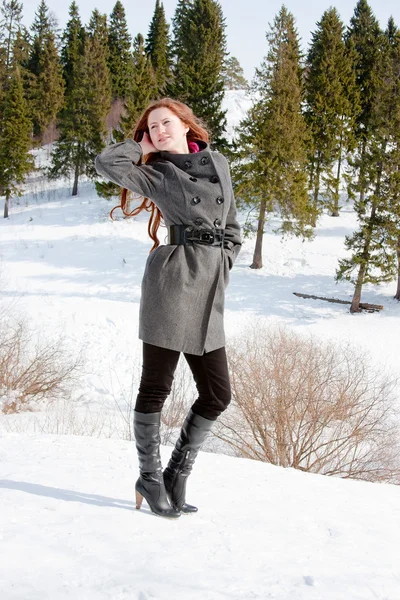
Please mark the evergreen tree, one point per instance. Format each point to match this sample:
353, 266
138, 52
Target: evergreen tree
180, 27
373, 245
158, 47
98, 28
82, 119
10, 27
332, 106
96, 55
73, 40
199, 55
15, 127
143, 90
364, 35
270, 157
44, 64
391, 180
3, 72
233, 75
120, 57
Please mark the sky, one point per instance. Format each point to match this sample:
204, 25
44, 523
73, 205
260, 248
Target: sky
245, 28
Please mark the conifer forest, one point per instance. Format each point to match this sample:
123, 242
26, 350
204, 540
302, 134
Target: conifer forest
323, 128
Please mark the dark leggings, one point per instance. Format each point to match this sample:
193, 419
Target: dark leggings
210, 372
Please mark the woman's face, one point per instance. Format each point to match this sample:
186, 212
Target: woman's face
167, 131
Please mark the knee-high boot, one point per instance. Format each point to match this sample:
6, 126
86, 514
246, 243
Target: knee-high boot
193, 433
150, 484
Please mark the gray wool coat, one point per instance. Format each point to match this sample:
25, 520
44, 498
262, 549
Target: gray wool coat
183, 287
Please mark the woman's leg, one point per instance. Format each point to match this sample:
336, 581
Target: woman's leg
159, 365
210, 372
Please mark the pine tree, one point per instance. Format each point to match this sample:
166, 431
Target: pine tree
143, 90
270, 159
73, 40
233, 75
44, 64
158, 47
199, 55
15, 127
372, 251
10, 27
120, 57
96, 54
332, 106
364, 35
82, 119
3, 72
391, 182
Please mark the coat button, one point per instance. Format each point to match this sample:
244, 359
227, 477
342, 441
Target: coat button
199, 222
196, 200
192, 178
217, 222
204, 160
214, 179
188, 164
220, 200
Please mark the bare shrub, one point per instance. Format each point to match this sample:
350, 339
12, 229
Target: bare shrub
117, 110
314, 406
30, 372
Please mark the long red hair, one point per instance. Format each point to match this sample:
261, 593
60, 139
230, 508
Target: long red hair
197, 131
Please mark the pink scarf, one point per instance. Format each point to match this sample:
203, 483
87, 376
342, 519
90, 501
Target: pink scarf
193, 147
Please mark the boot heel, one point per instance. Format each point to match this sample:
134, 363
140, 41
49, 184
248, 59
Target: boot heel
139, 500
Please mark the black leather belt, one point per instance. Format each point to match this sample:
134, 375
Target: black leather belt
184, 234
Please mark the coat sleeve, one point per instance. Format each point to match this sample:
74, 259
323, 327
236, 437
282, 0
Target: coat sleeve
118, 163
233, 238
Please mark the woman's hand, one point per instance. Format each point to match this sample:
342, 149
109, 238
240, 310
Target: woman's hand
147, 145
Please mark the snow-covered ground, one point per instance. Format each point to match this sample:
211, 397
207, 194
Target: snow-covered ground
69, 529
67, 524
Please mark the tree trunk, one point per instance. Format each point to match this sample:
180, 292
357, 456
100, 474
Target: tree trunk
355, 303
257, 257
397, 296
76, 177
6, 204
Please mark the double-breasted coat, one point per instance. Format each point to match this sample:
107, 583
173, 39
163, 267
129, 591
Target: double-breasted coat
183, 287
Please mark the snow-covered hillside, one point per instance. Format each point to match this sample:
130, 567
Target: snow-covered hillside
67, 524
69, 529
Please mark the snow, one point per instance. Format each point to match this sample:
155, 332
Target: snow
68, 524
69, 529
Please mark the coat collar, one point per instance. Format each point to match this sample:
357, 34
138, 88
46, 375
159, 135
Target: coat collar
179, 160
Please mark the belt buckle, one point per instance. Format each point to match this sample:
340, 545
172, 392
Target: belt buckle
207, 237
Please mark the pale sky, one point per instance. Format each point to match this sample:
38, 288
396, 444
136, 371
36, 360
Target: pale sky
246, 21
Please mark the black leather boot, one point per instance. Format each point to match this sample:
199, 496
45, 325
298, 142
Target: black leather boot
150, 484
193, 433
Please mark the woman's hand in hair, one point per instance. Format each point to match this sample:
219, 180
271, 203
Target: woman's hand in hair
147, 145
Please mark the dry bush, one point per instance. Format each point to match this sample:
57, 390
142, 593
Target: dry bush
31, 372
298, 402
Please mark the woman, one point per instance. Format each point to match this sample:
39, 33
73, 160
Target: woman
170, 164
